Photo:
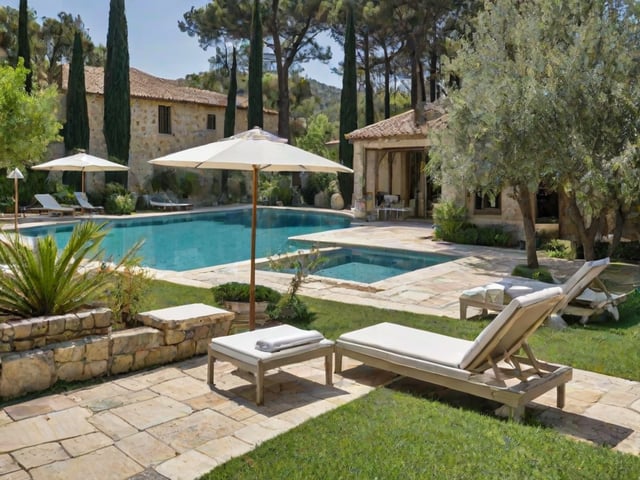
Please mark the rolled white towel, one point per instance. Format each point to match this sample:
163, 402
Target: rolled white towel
289, 341
477, 293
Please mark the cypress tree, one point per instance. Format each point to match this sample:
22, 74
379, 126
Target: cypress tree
348, 106
76, 131
254, 115
117, 110
230, 110
24, 49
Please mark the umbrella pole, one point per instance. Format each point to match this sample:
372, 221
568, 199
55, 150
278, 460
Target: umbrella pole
252, 284
83, 173
15, 205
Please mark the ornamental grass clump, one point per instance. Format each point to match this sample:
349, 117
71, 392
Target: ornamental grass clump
42, 280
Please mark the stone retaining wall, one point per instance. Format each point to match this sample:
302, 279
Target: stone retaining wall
36, 353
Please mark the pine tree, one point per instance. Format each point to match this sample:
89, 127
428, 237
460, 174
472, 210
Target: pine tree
76, 131
348, 106
117, 110
24, 49
254, 115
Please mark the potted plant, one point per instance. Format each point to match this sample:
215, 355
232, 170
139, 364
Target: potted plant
234, 296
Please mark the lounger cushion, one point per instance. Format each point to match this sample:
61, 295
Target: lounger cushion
242, 346
510, 326
391, 340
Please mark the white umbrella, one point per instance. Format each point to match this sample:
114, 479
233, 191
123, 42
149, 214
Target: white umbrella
81, 162
254, 150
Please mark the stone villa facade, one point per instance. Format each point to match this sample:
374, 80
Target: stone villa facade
165, 117
389, 159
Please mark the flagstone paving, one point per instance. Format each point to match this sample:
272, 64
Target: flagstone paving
167, 423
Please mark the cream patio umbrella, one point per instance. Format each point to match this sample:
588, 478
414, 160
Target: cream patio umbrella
255, 150
81, 162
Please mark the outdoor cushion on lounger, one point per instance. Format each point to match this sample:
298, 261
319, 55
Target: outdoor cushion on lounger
487, 367
51, 205
85, 204
241, 350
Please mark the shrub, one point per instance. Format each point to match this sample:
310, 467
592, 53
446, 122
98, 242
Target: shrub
239, 292
45, 281
540, 274
118, 200
556, 248
494, 237
449, 221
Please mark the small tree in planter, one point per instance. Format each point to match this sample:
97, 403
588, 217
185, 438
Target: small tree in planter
234, 296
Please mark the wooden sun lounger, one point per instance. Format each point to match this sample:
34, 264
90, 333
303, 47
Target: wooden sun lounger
489, 367
252, 364
579, 300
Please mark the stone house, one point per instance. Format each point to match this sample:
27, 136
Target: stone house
165, 117
389, 159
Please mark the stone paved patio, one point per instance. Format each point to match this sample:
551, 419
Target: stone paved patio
167, 423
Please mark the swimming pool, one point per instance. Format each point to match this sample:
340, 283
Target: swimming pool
194, 240
370, 265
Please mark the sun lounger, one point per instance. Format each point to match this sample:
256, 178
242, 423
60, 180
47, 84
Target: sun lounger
52, 206
258, 351
86, 206
579, 299
163, 202
487, 367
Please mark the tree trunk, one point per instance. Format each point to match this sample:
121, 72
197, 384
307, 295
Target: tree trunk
368, 89
387, 85
523, 196
283, 102
433, 76
621, 217
587, 234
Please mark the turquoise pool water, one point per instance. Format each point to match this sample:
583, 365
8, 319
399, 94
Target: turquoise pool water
369, 265
196, 240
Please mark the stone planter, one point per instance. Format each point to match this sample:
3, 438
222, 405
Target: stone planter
241, 309
35, 353
337, 202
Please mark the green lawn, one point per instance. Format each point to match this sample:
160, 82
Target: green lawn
405, 433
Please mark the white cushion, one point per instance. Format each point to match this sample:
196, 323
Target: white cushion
409, 342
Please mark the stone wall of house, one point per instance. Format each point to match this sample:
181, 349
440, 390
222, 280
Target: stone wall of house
188, 127
54, 354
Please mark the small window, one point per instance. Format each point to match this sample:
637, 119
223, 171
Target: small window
487, 203
211, 121
164, 119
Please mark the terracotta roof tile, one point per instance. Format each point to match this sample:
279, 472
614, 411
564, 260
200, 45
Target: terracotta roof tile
144, 85
402, 125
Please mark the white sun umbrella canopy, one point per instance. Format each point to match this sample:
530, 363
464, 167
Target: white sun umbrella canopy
81, 162
255, 150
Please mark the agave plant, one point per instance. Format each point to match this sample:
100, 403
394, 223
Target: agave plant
42, 280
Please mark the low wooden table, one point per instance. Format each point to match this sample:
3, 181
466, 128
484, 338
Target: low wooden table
239, 350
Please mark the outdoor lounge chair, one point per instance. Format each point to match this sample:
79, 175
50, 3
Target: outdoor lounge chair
52, 206
163, 202
579, 299
84, 203
257, 351
486, 367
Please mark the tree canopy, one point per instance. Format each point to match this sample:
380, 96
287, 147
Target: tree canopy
548, 95
290, 28
117, 109
28, 123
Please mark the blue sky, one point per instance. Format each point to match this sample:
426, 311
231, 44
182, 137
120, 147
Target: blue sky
156, 45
